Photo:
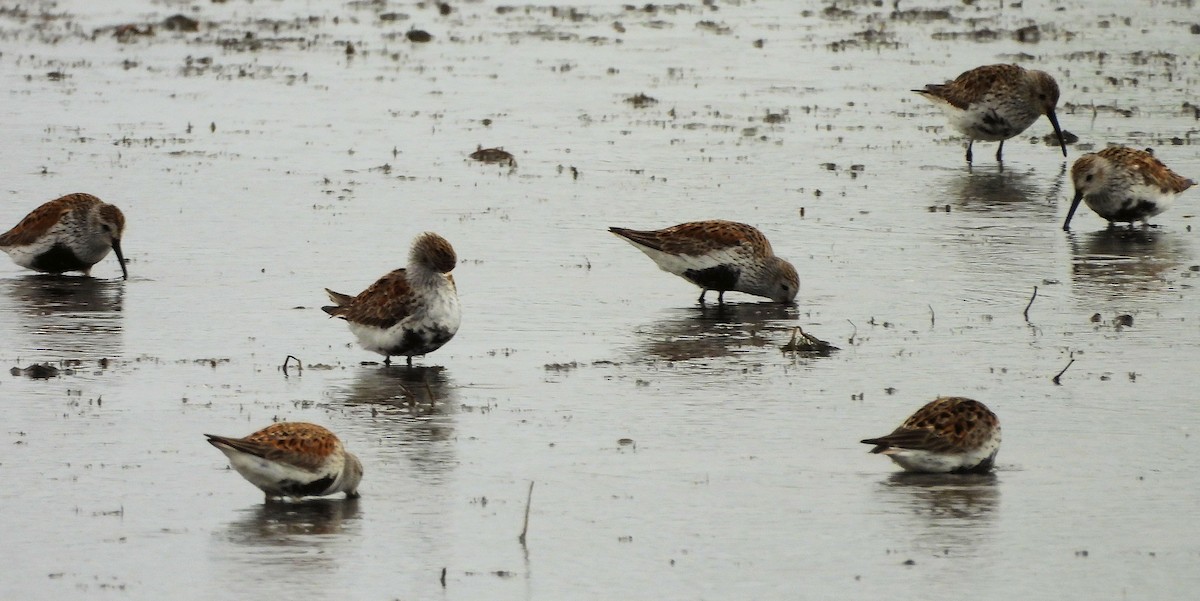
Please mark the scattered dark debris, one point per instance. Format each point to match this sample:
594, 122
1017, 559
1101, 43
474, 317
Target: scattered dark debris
494, 155
1096, 318
977, 35
640, 101
1052, 140
574, 171
127, 32
921, 14
180, 23
213, 363
935, 208
714, 27
805, 343
775, 118
37, 371
1123, 321
626, 442
910, 562
418, 36
1028, 35
444, 8
561, 366
389, 17
56, 75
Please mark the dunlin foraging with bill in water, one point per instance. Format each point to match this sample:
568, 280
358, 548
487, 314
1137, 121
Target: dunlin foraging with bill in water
70, 233
718, 255
996, 102
1124, 185
293, 459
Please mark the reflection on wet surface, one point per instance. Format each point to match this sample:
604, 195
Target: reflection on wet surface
711, 331
280, 537
948, 513
67, 315
291, 524
1121, 262
944, 497
412, 412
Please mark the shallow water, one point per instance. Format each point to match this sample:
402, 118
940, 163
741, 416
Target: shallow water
676, 451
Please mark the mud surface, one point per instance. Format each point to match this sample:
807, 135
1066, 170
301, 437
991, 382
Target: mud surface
678, 452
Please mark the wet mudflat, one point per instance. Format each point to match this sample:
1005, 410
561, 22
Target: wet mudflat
284, 147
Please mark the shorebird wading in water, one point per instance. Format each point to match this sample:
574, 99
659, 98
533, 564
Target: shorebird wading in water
293, 459
949, 435
410, 311
1124, 185
996, 102
718, 255
71, 233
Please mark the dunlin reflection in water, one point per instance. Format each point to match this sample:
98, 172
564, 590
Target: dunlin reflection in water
69, 315
1120, 262
716, 331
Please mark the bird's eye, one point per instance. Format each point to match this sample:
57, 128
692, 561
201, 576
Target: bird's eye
1088, 178
107, 227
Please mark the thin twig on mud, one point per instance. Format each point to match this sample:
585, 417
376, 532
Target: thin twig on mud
1064, 370
299, 364
1030, 303
528, 502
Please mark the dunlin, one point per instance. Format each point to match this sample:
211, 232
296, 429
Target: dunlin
718, 255
949, 435
293, 459
71, 233
1124, 185
410, 311
996, 102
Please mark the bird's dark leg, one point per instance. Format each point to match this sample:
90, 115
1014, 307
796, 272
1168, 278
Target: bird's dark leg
1000, 151
387, 359
720, 297
702, 293
410, 360
970, 143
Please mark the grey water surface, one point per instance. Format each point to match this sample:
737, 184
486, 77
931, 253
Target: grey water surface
677, 452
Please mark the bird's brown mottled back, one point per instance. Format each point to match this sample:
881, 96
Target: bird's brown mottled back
1152, 171
44, 217
300, 444
384, 304
700, 237
946, 425
971, 86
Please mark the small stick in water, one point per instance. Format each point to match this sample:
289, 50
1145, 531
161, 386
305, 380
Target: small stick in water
528, 502
299, 365
1030, 303
1064, 370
